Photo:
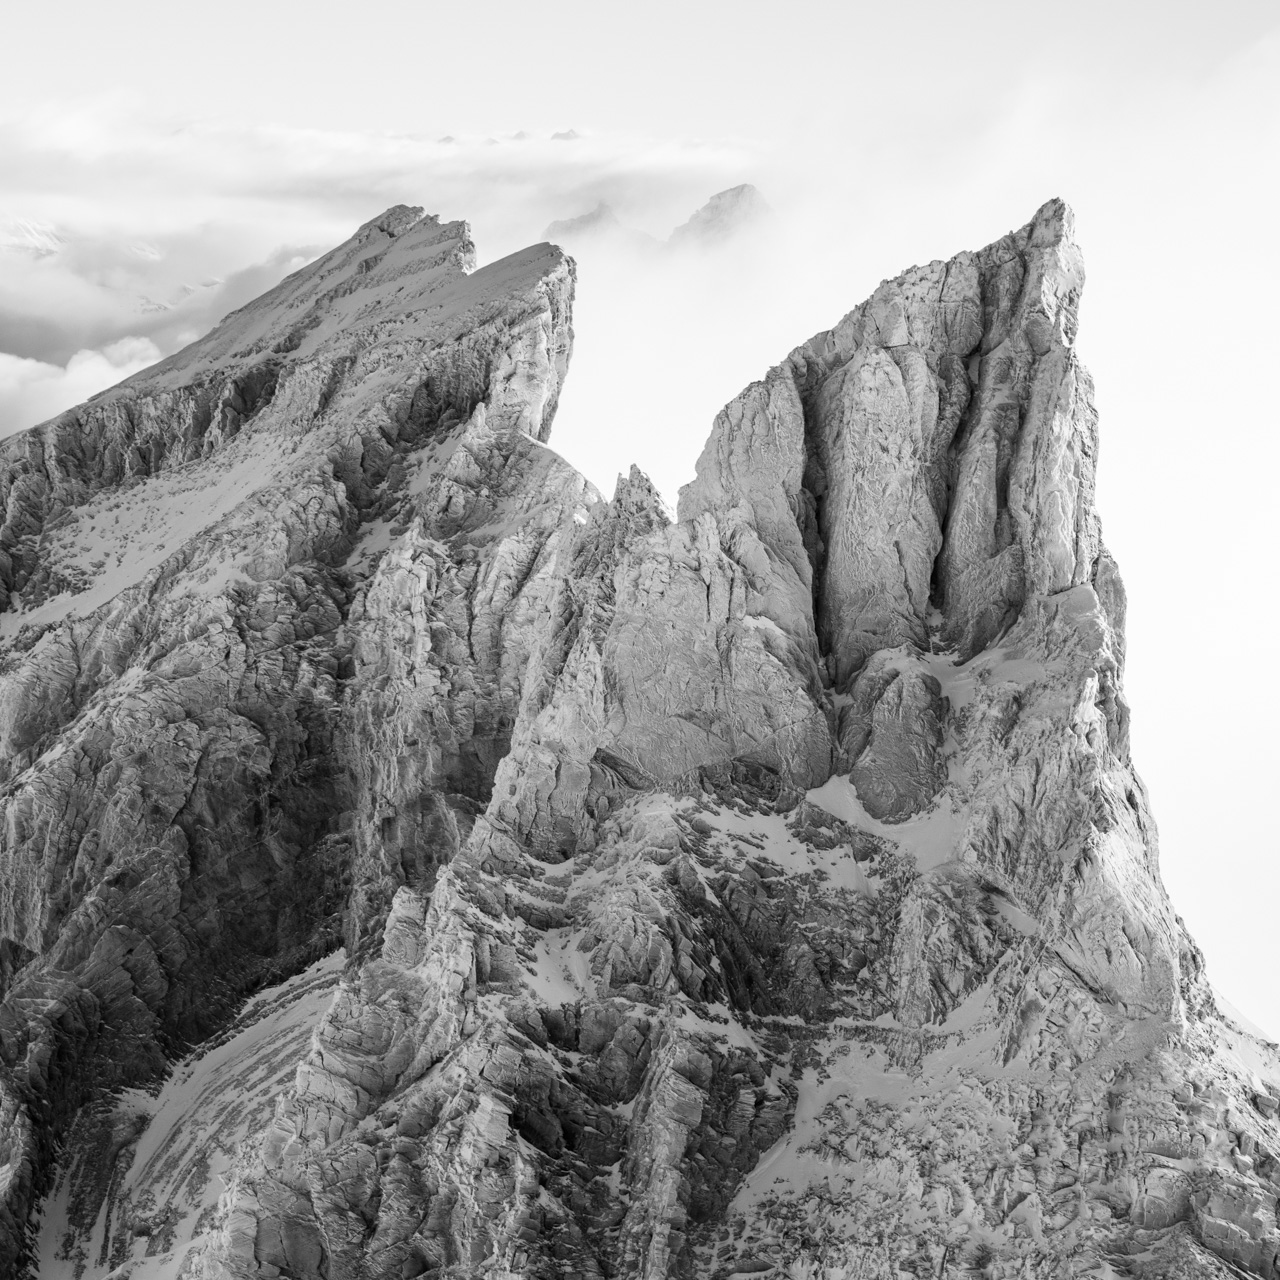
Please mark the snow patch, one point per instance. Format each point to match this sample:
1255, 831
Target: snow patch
213, 1104
120, 536
932, 836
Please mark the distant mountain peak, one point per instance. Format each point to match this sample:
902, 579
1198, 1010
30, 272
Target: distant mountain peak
600, 226
762, 892
397, 219
724, 216
601, 218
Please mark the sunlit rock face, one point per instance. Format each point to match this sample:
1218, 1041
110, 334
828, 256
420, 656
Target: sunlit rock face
417, 865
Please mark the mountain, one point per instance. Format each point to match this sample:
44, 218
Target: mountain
601, 224
417, 865
725, 217
600, 220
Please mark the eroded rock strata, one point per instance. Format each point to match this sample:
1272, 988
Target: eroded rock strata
766, 891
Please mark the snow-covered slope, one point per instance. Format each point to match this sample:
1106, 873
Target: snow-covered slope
141, 1172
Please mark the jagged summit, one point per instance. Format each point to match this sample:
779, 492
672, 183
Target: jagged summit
385, 272
347, 339
951, 499
764, 892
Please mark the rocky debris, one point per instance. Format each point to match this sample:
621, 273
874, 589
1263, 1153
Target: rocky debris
764, 892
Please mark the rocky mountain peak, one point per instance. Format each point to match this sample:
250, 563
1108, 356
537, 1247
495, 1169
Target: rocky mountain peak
393, 221
384, 273
973, 486
416, 865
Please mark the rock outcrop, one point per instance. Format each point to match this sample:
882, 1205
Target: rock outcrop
766, 891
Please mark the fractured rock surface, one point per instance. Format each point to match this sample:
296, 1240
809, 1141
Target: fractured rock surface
766, 891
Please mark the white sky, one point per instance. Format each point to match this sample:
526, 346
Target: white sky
192, 156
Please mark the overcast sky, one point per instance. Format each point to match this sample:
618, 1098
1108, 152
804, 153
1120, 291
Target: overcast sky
160, 164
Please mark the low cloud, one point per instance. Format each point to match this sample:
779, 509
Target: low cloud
92, 290
80, 315
32, 390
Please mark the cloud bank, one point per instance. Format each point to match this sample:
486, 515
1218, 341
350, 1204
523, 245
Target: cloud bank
32, 390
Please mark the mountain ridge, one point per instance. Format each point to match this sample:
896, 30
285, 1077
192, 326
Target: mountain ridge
763, 892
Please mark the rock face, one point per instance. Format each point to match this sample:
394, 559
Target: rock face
763, 892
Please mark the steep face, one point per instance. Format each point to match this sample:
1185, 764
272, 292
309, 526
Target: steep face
767, 892
208, 568
936, 448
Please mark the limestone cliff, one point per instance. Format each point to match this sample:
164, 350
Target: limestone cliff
415, 865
